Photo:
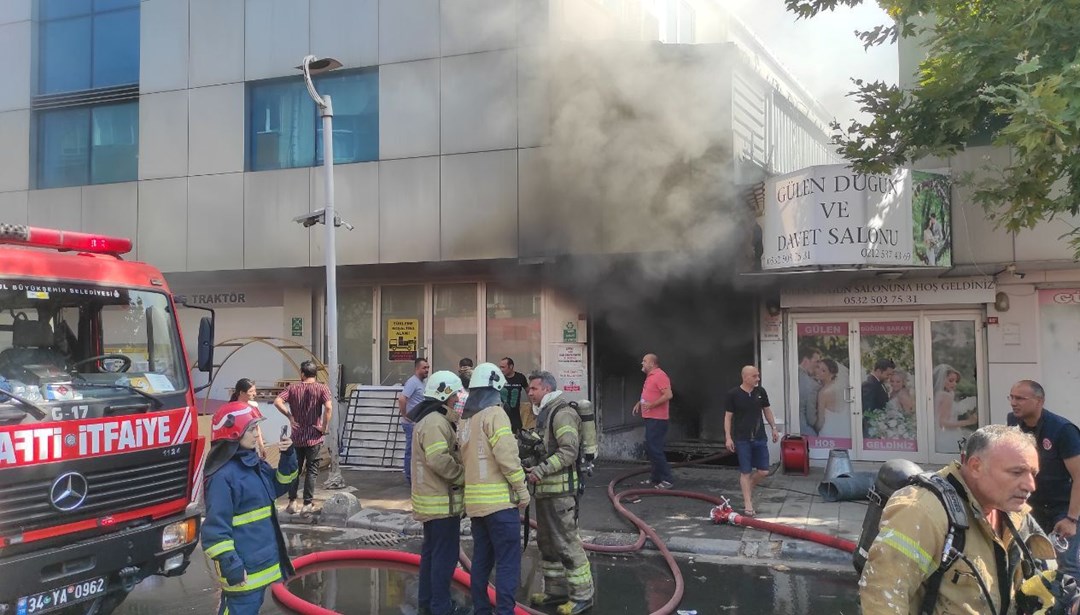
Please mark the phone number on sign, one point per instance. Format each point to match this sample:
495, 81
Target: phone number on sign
788, 258
881, 300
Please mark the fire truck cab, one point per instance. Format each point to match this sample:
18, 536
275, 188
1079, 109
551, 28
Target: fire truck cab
99, 446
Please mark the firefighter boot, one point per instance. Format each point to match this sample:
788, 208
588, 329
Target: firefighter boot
542, 599
574, 607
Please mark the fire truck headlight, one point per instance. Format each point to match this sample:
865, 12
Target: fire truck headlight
177, 534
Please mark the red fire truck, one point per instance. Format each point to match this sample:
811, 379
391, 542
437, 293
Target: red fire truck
100, 453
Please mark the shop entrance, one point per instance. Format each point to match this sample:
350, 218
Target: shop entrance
934, 396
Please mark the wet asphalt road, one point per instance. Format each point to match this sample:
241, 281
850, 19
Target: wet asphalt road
632, 584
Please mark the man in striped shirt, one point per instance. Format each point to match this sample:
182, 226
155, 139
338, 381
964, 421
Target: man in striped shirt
308, 405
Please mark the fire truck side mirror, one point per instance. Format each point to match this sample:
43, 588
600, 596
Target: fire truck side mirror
206, 344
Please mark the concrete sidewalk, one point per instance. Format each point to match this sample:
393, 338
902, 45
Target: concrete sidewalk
684, 524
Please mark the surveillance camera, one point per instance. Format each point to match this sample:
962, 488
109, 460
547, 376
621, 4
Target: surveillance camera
310, 219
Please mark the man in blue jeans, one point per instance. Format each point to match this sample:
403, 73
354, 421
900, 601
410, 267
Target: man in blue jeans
409, 398
745, 432
654, 408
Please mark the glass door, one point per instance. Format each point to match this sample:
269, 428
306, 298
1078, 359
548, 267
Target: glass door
886, 415
955, 393
823, 389
401, 330
454, 325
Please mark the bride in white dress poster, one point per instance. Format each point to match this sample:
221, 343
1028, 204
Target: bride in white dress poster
834, 419
951, 428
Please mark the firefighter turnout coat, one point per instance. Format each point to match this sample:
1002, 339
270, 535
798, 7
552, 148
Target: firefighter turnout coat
494, 479
437, 472
909, 547
241, 531
563, 560
561, 427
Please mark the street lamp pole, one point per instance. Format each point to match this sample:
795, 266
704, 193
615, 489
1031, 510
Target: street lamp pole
313, 65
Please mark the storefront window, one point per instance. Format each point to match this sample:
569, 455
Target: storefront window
356, 317
513, 327
889, 417
402, 328
454, 325
824, 412
956, 401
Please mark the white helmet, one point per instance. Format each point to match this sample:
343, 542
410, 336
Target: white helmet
487, 375
441, 385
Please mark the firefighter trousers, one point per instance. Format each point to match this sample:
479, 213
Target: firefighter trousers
565, 565
244, 603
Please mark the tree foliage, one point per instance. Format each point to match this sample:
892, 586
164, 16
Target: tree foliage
1007, 70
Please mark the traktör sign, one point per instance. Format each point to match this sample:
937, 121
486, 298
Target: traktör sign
830, 215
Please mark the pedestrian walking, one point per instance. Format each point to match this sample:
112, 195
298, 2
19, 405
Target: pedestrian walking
245, 391
437, 490
567, 575
654, 408
411, 395
240, 531
511, 395
1055, 504
308, 405
494, 491
744, 432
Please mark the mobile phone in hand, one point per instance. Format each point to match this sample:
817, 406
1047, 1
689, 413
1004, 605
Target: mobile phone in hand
284, 432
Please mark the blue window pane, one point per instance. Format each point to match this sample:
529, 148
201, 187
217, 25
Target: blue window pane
114, 143
116, 48
65, 56
282, 126
355, 97
108, 5
54, 9
63, 148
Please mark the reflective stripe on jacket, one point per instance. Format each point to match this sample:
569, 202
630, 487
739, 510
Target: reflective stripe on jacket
560, 425
240, 531
437, 472
494, 479
909, 546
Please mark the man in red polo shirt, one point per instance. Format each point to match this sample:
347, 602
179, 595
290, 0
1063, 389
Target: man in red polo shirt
653, 407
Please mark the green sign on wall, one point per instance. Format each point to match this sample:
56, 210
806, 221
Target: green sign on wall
298, 326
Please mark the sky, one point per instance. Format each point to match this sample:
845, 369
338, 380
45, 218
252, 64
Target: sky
822, 53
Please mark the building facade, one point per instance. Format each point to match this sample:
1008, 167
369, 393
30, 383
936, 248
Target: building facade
543, 180
975, 310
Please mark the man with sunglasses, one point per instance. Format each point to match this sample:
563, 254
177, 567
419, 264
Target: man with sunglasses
1056, 501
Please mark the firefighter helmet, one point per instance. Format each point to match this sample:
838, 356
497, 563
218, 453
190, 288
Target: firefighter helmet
441, 385
487, 375
233, 419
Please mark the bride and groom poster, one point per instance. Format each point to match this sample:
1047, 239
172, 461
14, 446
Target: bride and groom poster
826, 396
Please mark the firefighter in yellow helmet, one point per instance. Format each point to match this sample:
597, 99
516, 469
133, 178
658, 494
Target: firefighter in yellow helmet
494, 490
567, 575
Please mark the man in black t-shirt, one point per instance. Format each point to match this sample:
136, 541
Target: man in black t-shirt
745, 432
516, 385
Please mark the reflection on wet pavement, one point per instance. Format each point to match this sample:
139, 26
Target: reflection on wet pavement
632, 585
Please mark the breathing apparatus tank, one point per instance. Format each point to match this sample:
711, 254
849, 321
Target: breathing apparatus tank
588, 445
892, 476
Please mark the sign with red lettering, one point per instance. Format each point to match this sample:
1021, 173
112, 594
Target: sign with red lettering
22, 445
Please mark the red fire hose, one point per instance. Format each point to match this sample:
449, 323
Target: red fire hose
721, 512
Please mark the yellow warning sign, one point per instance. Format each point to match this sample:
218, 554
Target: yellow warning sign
402, 339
